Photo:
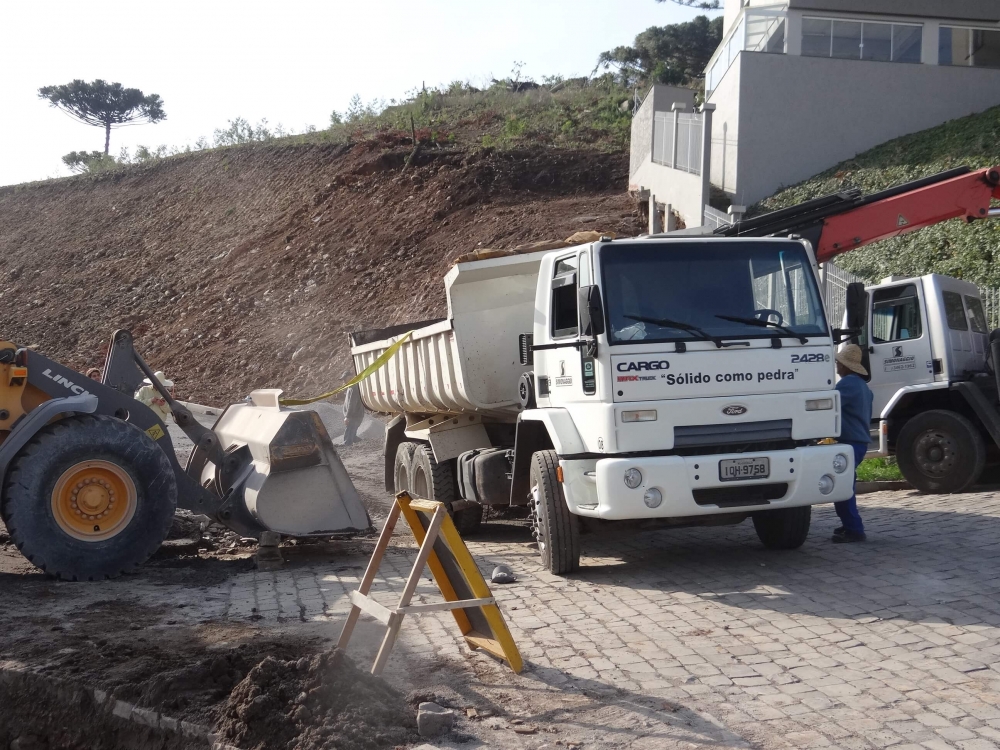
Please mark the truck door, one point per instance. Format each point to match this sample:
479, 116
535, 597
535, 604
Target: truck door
899, 343
562, 365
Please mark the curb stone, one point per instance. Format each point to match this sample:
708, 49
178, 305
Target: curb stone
14, 674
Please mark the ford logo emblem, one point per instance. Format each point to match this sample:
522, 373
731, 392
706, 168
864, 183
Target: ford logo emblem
734, 410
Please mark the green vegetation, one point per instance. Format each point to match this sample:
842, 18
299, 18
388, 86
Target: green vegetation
676, 54
967, 251
511, 112
879, 470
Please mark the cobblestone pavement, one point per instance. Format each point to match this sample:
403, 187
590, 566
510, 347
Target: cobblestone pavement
892, 643
690, 637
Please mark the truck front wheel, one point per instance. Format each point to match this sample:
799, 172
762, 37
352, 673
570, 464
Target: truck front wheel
785, 528
940, 452
553, 526
436, 481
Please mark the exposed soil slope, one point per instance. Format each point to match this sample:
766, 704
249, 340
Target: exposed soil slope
247, 267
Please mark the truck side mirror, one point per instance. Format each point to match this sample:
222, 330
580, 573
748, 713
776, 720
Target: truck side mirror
857, 305
591, 311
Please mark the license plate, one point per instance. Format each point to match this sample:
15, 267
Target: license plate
733, 469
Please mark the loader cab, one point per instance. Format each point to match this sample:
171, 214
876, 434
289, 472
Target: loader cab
922, 330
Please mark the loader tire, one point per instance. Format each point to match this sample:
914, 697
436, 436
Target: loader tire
89, 498
785, 528
940, 451
555, 529
431, 480
402, 466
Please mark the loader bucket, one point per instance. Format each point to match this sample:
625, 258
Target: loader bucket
290, 477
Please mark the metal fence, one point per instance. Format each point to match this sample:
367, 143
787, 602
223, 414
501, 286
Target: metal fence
686, 155
715, 218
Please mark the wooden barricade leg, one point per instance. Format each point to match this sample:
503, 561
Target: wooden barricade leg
411, 586
370, 573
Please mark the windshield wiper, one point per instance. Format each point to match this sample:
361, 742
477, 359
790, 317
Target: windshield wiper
765, 324
679, 325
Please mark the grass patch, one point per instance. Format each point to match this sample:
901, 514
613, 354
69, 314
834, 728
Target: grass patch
879, 470
965, 251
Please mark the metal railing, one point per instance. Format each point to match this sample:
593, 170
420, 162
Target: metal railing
714, 218
685, 154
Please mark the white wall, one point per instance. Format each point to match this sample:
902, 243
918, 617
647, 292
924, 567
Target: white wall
800, 115
681, 190
726, 130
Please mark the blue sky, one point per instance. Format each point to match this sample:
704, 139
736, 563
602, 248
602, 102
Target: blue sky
291, 62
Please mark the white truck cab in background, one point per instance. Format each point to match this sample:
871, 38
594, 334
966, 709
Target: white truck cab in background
927, 344
665, 381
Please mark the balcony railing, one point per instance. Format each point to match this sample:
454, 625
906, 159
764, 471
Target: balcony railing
758, 30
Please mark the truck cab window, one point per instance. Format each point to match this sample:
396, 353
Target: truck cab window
954, 311
896, 314
977, 318
565, 321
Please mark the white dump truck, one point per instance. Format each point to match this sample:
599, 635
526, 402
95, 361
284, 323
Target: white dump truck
674, 380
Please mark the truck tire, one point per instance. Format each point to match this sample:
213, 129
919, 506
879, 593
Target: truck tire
940, 451
89, 498
402, 466
436, 481
786, 528
553, 526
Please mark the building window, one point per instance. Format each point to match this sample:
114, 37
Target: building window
861, 40
974, 48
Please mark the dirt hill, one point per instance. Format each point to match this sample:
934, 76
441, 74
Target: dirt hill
246, 267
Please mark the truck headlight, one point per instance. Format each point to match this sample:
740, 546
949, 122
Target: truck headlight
840, 463
633, 478
652, 497
826, 483
819, 404
639, 415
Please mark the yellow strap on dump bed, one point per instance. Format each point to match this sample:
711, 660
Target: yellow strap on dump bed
382, 359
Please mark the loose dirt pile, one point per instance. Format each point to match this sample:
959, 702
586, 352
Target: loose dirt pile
247, 267
317, 702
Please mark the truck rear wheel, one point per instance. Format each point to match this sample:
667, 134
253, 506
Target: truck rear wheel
436, 481
940, 451
89, 498
553, 526
785, 528
402, 466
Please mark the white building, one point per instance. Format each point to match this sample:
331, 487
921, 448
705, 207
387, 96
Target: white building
800, 85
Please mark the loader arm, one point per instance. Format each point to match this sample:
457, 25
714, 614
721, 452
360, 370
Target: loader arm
848, 221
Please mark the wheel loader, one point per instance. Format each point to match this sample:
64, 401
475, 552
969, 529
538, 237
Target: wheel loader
89, 480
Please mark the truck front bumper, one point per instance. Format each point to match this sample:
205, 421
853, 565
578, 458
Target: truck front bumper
692, 485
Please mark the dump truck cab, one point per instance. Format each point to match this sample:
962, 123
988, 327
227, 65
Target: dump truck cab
679, 378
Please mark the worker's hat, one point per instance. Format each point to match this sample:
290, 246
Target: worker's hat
161, 376
850, 357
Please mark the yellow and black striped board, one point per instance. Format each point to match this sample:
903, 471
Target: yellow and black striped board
458, 578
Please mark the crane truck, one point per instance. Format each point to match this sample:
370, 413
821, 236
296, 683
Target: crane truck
685, 378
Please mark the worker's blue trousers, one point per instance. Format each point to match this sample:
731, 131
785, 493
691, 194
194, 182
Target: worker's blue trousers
848, 509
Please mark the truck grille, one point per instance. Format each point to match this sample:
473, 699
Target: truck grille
728, 434
735, 497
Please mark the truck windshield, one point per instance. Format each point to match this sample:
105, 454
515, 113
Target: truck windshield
680, 291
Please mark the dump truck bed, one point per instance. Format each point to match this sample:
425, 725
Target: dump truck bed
465, 363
